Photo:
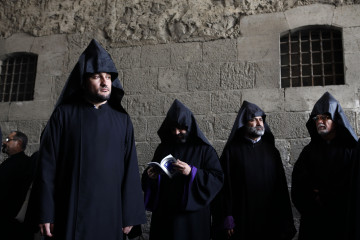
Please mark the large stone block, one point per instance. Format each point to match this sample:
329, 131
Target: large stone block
220, 51
219, 146
19, 42
144, 152
4, 111
184, 53
44, 87
155, 55
145, 105
125, 58
257, 48
140, 125
50, 44
140, 80
296, 147
223, 125
203, 77
7, 127
32, 129
153, 125
263, 24
351, 39
197, 102
288, 125
206, 125
267, 74
225, 101
351, 116
240, 75
30, 110
352, 73
314, 14
172, 79
304, 98
347, 16
357, 126
51, 63
269, 100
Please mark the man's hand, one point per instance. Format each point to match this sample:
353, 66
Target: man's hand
182, 167
126, 230
230, 232
46, 229
152, 173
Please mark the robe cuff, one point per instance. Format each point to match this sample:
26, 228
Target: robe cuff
229, 222
187, 187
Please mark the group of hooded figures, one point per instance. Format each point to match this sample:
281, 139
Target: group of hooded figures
88, 186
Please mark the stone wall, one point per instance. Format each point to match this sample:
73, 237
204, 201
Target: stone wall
210, 54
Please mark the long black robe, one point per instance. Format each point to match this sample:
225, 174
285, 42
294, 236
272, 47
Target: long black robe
181, 206
88, 182
255, 196
321, 176
16, 175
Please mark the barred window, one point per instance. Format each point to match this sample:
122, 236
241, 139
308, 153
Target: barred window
312, 57
17, 78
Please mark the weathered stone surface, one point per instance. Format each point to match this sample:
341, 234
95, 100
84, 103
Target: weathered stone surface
140, 80
267, 75
240, 75
269, 100
219, 146
357, 126
145, 105
220, 51
288, 125
264, 51
206, 125
225, 101
309, 15
144, 153
296, 147
172, 79
284, 148
352, 74
347, 16
203, 77
351, 39
30, 110
197, 102
125, 58
223, 125
140, 125
185, 53
155, 55
259, 24
153, 125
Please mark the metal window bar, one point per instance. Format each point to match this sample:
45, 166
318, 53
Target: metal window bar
17, 79
319, 59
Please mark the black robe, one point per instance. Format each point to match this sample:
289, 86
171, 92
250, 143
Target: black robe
16, 175
321, 176
88, 179
255, 196
181, 206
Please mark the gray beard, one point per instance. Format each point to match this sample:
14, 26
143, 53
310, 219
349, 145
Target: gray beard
257, 131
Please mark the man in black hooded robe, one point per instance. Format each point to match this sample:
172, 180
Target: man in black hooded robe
181, 205
321, 175
256, 203
88, 182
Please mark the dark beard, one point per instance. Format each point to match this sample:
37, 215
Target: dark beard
255, 132
96, 98
181, 138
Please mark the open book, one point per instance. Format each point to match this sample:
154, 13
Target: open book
165, 165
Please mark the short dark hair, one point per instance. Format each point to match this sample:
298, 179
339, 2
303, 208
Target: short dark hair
21, 136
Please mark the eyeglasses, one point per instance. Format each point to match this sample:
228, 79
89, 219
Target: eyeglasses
10, 139
321, 117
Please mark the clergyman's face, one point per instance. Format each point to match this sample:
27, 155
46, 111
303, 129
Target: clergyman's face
180, 134
324, 124
11, 145
255, 127
98, 87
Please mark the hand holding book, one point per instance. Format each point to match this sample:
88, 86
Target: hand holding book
168, 165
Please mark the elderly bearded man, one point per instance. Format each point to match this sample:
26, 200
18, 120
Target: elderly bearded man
321, 175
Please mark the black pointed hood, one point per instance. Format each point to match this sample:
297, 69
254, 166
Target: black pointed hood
180, 116
247, 112
327, 104
94, 59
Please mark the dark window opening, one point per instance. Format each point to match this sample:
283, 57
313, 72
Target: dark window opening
17, 78
312, 57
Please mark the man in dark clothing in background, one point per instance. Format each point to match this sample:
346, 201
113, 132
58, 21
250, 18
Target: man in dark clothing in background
88, 182
16, 176
181, 205
321, 175
256, 203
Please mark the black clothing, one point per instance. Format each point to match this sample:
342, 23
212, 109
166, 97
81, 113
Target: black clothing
321, 176
16, 176
180, 206
89, 180
255, 196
